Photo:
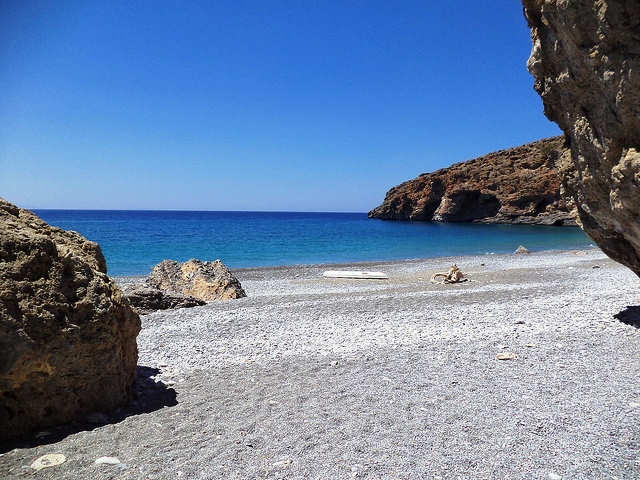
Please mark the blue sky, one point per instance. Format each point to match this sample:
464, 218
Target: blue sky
253, 105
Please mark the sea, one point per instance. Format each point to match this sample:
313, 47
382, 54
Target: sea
134, 241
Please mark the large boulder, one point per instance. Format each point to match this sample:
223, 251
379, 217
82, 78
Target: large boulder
517, 185
586, 64
67, 336
202, 280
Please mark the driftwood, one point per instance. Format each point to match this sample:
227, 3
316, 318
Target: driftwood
454, 275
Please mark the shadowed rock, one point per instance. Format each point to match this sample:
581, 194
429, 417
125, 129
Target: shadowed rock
67, 336
202, 280
518, 185
586, 62
146, 299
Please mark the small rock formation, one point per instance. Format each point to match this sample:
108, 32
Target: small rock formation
518, 185
586, 64
67, 336
146, 299
202, 280
522, 250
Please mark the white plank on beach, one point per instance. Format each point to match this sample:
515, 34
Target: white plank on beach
354, 274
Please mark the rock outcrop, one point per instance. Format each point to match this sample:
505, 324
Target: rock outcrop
202, 280
518, 185
586, 64
67, 336
147, 300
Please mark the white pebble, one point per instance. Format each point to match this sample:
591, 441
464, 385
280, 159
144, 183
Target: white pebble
107, 460
50, 460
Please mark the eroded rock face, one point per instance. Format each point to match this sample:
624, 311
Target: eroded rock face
202, 280
518, 185
67, 336
146, 299
586, 62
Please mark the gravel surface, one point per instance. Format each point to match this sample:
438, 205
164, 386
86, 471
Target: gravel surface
328, 379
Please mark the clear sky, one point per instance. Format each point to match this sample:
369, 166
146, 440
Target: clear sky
253, 105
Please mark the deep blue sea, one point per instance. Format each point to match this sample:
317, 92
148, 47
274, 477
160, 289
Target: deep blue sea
134, 241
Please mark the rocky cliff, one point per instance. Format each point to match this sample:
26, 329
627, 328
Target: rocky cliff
518, 185
586, 62
67, 337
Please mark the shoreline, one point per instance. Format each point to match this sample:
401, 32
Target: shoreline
376, 263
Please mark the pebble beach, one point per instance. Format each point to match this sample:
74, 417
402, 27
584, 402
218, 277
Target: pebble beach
315, 378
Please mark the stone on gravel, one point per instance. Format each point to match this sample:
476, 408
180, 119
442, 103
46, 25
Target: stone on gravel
554, 476
107, 461
522, 250
67, 336
49, 460
202, 280
586, 63
147, 300
506, 356
282, 463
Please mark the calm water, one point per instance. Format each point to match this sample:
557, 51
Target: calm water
134, 241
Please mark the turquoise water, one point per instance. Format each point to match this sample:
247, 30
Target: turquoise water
134, 241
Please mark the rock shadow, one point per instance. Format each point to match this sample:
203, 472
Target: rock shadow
148, 397
629, 316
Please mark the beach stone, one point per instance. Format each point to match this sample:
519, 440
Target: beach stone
587, 70
201, 280
49, 460
282, 463
146, 299
518, 185
67, 336
522, 250
554, 476
506, 356
107, 461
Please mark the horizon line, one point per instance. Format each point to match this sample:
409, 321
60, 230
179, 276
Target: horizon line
181, 210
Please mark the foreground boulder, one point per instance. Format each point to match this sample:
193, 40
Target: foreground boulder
67, 336
146, 299
202, 280
518, 185
586, 62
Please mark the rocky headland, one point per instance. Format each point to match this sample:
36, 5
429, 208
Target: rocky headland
67, 335
517, 185
586, 62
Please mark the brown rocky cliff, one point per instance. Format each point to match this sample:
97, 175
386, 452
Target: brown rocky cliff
586, 62
518, 185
